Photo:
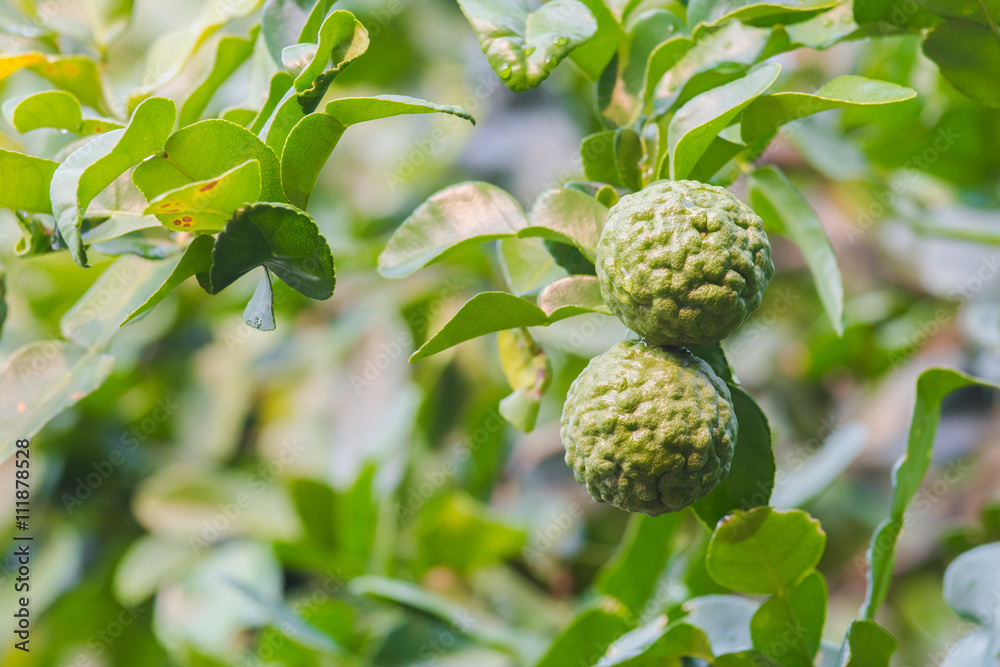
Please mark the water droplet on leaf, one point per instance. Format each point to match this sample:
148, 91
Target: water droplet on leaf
560, 41
528, 50
827, 22
504, 71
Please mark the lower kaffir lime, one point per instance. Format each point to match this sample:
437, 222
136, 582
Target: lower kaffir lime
648, 429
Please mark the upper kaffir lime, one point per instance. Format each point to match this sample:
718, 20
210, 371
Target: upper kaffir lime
648, 429
683, 263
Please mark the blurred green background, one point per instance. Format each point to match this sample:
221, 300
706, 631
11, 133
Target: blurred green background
217, 499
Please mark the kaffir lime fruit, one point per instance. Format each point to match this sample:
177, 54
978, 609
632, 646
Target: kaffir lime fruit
648, 429
683, 263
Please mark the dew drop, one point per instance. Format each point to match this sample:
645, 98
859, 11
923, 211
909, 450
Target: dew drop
827, 22
504, 71
560, 41
528, 50
551, 62
846, 19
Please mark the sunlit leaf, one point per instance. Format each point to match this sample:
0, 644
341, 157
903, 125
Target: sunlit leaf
756, 12
456, 217
527, 265
789, 627
656, 641
230, 53
574, 294
208, 205
567, 216
528, 372
587, 636
74, 74
968, 54
725, 619
54, 109
25, 182
866, 645
95, 165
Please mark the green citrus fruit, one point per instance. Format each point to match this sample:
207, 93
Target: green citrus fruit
683, 263
648, 429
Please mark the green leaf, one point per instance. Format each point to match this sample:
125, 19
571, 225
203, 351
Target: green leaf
764, 551
765, 114
40, 380
283, 22
313, 138
75, 74
259, 312
866, 645
587, 636
631, 575
784, 211
734, 45
197, 257
342, 39
279, 237
628, 153
95, 165
599, 160
528, 373
461, 532
25, 182
751, 474
594, 55
456, 217
972, 585
789, 627
115, 226
756, 12
54, 109
725, 619
203, 151
969, 57
527, 265
483, 314
652, 643
573, 295
932, 386
523, 47
207, 205
567, 216
230, 53
661, 60
698, 123
167, 56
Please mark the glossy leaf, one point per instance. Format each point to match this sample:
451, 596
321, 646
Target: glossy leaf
25, 182
908, 474
968, 54
789, 627
568, 216
631, 575
575, 295
698, 123
342, 39
725, 619
655, 642
587, 637
197, 257
766, 114
599, 162
527, 265
756, 12
523, 47
764, 551
208, 205
456, 217
661, 60
786, 212
866, 645
203, 151
40, 380
528, 372
593, 56
95, 165
279, 237
751, 473
115, 226
54, 109
313, 138
230, 53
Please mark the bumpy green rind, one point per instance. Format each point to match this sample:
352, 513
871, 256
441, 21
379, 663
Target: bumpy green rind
648, 429
683, 263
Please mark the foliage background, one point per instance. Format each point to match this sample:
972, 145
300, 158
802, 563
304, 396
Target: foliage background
223, 476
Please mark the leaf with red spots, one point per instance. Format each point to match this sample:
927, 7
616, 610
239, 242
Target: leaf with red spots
207, 205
